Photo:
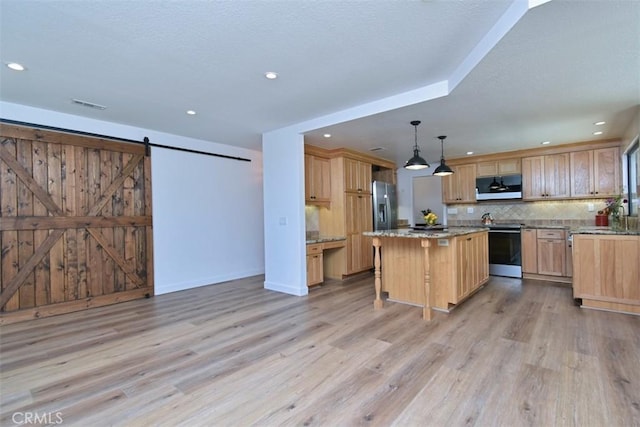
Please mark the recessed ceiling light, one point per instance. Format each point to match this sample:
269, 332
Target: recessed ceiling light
599, 123
15, 66
469, 153
598, 132
545, 142
191, 112
327, 135
271, 75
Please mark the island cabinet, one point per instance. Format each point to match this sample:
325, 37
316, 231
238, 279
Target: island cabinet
471, 265
460, 187
595, 173
455, 265
317, 180
546, 255
545, 177
606, 271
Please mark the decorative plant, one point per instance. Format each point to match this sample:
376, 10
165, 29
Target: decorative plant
614, 206
429, 217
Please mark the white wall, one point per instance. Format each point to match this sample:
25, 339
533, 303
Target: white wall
284, 216
207, 211
430, 194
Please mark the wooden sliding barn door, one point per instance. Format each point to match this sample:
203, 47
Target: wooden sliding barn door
75, 223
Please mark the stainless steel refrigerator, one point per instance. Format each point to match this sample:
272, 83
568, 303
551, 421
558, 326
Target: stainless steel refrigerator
385, 206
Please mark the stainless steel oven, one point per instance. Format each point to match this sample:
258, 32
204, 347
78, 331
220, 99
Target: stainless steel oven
505, 250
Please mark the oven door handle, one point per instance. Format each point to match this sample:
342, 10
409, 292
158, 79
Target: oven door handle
505, 231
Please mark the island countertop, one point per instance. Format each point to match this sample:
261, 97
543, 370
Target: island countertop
604, 231
426, 234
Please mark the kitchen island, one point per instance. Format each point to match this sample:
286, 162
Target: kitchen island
430, 268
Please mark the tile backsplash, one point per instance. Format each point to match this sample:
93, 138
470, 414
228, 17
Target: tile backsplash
559, 212
312, 221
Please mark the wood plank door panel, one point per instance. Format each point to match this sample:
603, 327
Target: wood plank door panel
75, 223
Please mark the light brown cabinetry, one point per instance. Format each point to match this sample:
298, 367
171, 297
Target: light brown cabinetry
315, 273
350, 215
544, 254
359, 248
529, 252
595, 173
545, 177
460, 187
472, 262
357, 176
606, 271
498, 167
317, 180
458, 266
551, 247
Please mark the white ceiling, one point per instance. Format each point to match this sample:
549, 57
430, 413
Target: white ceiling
563, 66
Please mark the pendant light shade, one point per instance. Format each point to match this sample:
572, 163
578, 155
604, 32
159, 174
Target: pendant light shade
443, 169
416, 162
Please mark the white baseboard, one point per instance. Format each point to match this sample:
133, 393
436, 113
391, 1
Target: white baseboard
190, 284
287, 289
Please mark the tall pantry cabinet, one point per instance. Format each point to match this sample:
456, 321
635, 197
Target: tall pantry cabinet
351, 212
350, 215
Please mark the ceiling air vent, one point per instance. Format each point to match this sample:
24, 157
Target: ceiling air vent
88, 104
376, 149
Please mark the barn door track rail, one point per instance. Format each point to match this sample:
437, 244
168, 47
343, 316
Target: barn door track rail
145, 142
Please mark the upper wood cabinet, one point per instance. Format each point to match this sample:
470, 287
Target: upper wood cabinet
460, 187
595, 173
317, 180
498, 167
357, 176
545, 177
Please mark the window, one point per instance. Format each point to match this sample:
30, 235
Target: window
633, 177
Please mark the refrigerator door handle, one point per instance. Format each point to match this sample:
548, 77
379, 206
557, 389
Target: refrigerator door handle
382, 213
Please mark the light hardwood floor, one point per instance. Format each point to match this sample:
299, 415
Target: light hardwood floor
518, 353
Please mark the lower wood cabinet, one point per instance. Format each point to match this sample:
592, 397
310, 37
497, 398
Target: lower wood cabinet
472, 264
606, 271
458, 266
315, 271
552, 258
546, 254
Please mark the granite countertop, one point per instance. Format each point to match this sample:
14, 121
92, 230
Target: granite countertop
322, 239
428, 234
544, 226
592, 229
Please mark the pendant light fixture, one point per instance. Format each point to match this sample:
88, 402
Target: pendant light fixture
443, 169
416, 162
